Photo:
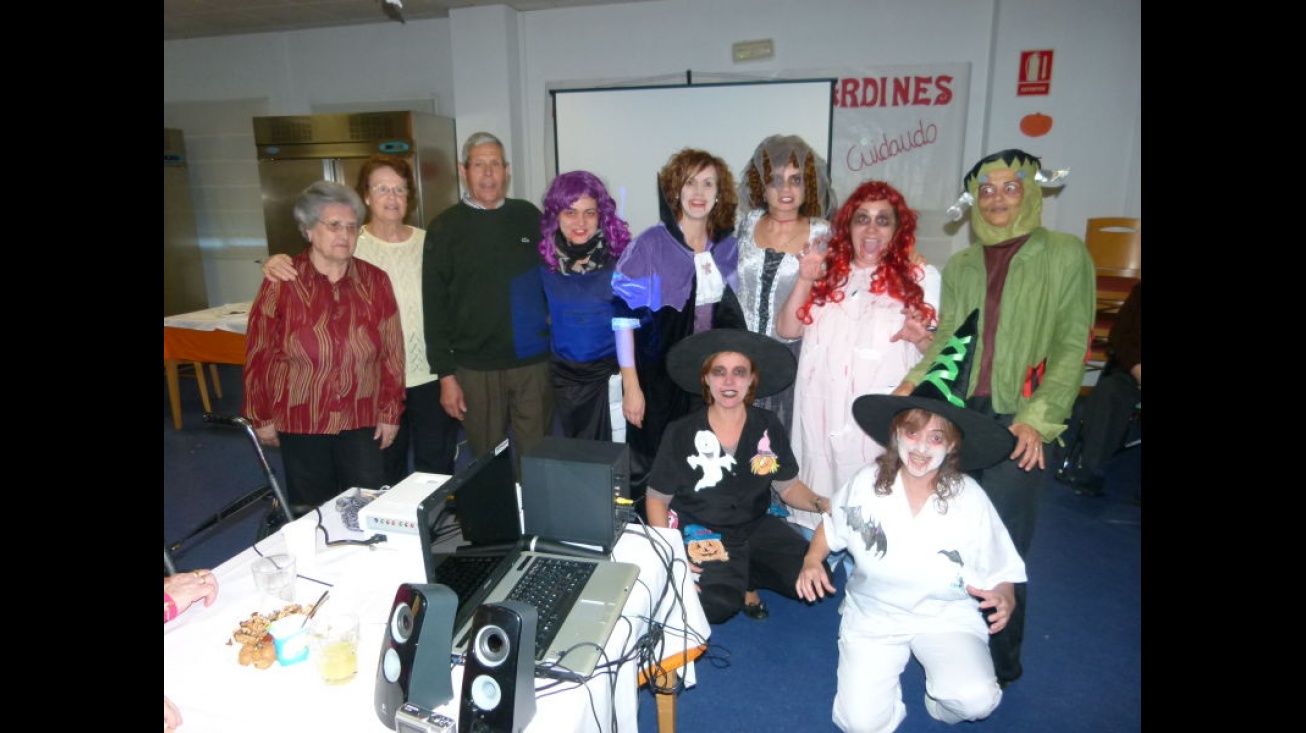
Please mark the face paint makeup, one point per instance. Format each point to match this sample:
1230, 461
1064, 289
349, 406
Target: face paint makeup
922, 452
729, 378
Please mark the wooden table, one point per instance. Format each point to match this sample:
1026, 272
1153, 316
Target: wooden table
210, 336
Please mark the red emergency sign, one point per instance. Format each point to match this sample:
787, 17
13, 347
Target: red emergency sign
1035, 73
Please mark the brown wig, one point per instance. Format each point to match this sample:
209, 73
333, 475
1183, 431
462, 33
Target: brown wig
685, 165
949, 478
895, 274
707, 367
394, 163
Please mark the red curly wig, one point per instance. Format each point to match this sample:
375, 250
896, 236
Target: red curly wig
895, 274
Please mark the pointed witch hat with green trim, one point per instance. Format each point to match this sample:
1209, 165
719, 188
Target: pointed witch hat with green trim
943, 392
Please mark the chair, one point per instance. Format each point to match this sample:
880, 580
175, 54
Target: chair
1116, 246
281, 512
174, 369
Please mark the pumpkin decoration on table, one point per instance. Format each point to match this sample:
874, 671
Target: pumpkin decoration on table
1036, 124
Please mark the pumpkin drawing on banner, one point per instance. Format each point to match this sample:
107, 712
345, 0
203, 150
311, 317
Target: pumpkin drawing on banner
1036, 124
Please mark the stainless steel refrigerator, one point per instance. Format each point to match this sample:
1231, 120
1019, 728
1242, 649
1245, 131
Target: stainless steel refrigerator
295, 151
183, 268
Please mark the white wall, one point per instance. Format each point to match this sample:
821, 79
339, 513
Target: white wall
1096, 97
1096, 101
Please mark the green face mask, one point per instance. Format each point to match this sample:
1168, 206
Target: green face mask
1030, 216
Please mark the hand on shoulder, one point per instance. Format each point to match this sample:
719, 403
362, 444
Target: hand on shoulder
279, 268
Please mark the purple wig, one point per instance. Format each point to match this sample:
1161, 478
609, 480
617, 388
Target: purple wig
562, 193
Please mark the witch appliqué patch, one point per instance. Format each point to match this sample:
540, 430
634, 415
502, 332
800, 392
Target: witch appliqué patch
765, 462
710, 458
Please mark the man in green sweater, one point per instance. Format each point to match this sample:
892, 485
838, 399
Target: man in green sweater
1035, 291
487, 331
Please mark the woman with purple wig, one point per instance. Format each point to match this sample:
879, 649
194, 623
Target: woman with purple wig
582, 237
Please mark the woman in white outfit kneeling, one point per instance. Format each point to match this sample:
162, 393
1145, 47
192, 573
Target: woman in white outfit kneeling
934, 565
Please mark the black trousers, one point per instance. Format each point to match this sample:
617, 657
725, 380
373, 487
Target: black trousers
766, 554
319, 467
1015, 494
428, 431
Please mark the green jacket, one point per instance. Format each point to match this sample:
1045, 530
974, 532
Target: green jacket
1047, 314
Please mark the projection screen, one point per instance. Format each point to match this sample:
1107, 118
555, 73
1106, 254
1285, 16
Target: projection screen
625, 135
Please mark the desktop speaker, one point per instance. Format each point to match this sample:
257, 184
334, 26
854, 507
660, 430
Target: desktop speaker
498, 694
414, 664
570, 487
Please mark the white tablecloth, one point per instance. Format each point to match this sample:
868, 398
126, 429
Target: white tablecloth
232, 317
216, 694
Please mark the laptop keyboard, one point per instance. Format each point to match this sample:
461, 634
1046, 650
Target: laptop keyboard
552, 585
464, 574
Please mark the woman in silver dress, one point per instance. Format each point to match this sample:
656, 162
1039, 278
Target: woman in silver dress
785, 197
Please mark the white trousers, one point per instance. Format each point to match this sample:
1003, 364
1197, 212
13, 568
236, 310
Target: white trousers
959, 679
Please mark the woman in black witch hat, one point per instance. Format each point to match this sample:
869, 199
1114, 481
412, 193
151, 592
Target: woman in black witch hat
935, 568
717, 466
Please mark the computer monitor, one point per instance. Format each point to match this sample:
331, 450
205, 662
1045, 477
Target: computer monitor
571, 488
477, 495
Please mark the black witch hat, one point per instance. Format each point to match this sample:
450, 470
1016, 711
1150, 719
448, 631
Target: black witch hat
772, 360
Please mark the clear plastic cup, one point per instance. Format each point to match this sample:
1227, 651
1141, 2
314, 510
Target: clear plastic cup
274, 576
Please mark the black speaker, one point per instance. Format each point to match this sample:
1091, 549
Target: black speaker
414, 666
498, 693
570, 487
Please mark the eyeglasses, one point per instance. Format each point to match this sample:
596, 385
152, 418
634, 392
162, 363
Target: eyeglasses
336, 227
384, 190
779, 181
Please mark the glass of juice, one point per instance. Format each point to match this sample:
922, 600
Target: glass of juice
334, 641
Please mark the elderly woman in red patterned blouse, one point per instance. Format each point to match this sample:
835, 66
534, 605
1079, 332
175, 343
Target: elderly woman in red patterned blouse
324, 360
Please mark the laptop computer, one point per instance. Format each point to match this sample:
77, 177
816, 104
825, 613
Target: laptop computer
497, 561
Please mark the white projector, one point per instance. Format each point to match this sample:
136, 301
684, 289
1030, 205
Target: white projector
395, 511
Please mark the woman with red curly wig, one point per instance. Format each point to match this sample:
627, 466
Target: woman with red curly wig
863, 309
